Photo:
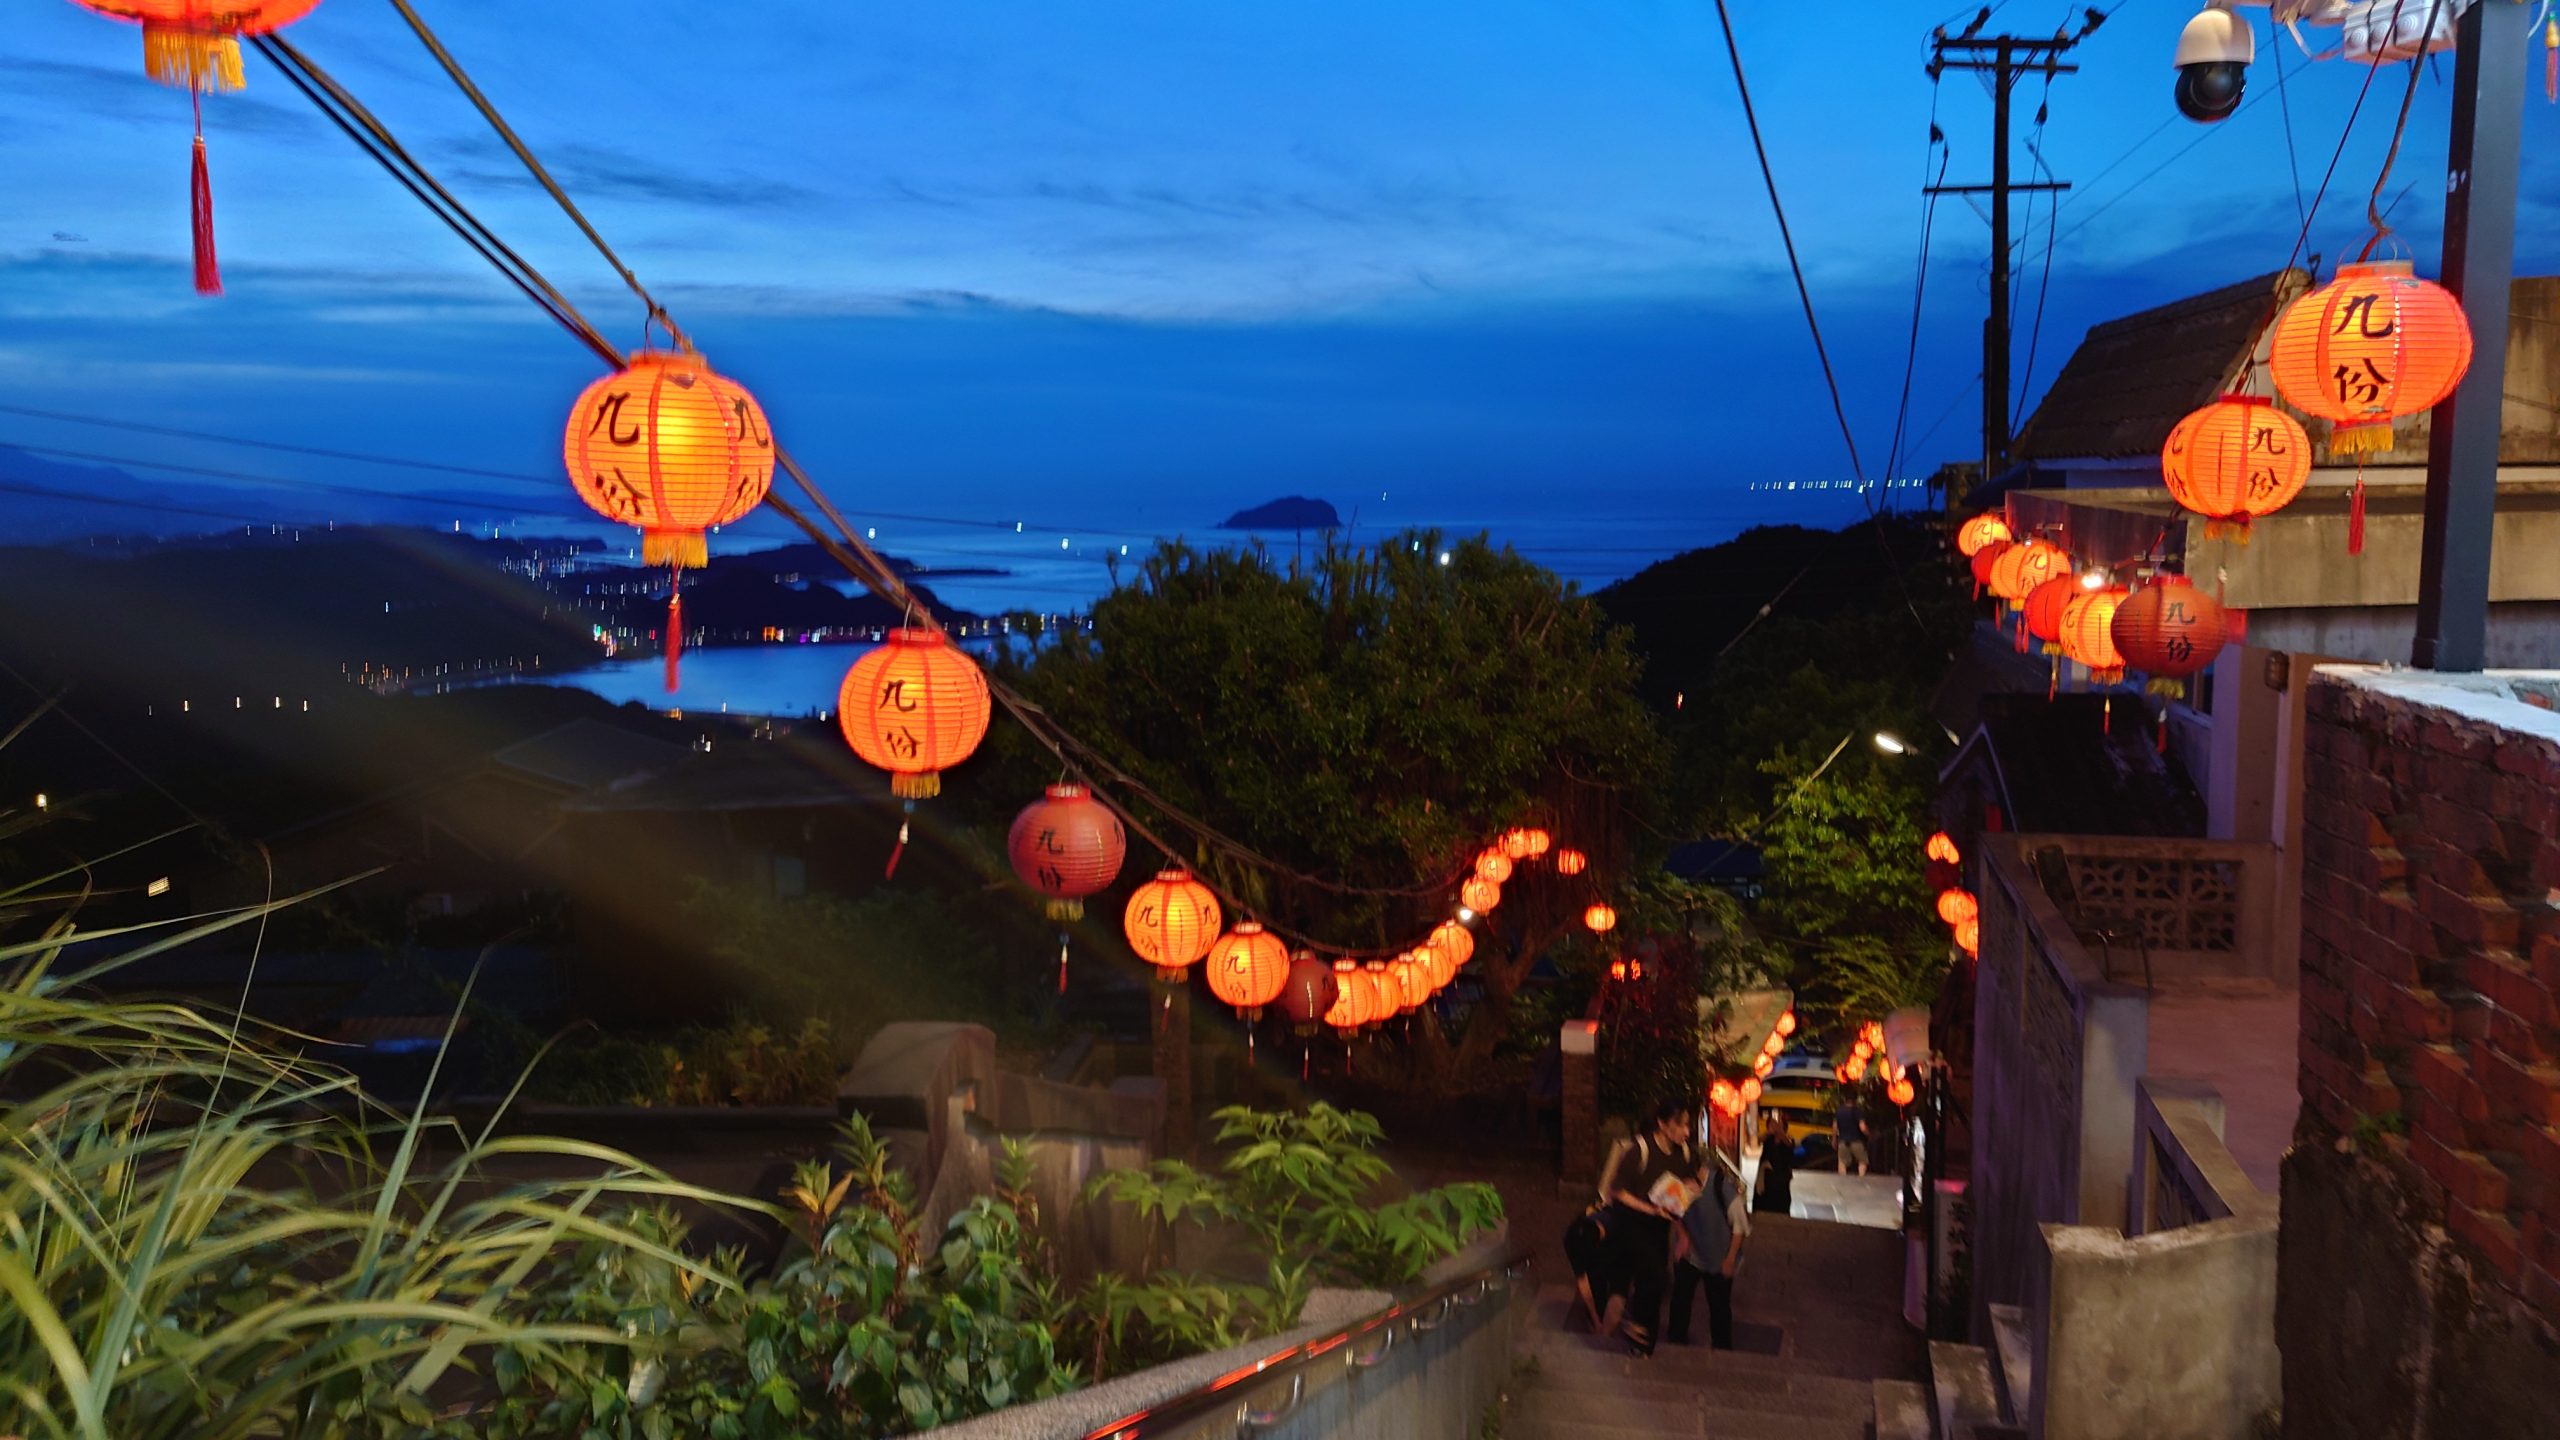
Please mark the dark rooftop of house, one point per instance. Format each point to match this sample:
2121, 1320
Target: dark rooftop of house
2135, 377
2068, 766
584, 754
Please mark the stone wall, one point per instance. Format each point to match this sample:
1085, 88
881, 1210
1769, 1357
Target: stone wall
2419, 1288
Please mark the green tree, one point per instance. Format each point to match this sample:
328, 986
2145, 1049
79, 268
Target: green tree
1847, 883
1366, 719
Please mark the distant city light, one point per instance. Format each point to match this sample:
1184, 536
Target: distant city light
41, 801
157, 887
1444, 557
1017, 527
1062, 542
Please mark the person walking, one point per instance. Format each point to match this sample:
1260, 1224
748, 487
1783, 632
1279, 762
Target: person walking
1849, 1132
1777, 1167
1711, 1234
1647, 1194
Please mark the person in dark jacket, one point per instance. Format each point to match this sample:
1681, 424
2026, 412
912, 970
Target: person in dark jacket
1711, 1234
1777, 1166
1641, 1221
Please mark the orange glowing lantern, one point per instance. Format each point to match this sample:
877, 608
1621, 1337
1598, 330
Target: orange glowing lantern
1350, 1008
1310, 992
914, 706
1861, 1050
1969, 937
195, 44
1956, 906
1412, 982
2088, 634
1436, 963
1720, 1095
1901, 1092
1776, 1042
1539, 841
2021, 568
1386, 997
1787, 1023
2365, 349
1480, 895
1764, 1065
1600, 919
1066, 845
1571, 862
1618, 969
1493, 865
2168, 629
1514, 845
1750, 1091
1248, 969
1455, 941
1171, 922
2235, 460
1981, 530
1942, 848
672, 446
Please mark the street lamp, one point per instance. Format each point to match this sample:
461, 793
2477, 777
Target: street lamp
1891, 744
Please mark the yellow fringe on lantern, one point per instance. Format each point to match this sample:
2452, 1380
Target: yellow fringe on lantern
684, 549
192, 59
2235, 531
2166, 689
916, 787
1062, 909
2371, 438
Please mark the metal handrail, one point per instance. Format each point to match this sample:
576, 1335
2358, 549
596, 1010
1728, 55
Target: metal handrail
1228, 1393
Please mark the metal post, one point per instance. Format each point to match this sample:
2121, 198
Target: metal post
1995, 333
2479, 268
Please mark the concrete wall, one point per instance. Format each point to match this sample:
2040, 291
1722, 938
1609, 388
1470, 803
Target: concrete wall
2158, 1335
2420, 1256
2057, 1051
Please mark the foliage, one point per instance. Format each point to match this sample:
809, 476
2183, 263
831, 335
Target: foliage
167, 1274
1847, 882
1303, 1187
742, 1062
1365, 719
1865, 976
869, 1328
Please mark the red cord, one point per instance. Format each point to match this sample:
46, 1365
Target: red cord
200, 219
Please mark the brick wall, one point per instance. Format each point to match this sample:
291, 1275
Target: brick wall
2422, 1198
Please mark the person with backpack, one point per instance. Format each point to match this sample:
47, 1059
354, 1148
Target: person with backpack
1647, 1192
1712, 1230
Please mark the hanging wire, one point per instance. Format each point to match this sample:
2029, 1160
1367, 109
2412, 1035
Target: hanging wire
2373, 204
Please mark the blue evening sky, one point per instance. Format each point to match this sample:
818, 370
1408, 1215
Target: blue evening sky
1127, 264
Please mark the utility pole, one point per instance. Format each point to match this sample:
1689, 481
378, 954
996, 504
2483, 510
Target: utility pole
2005, 58
2479, 268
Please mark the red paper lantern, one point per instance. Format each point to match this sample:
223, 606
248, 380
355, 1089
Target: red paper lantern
1942, 847
1861, 1050
1981, 530
1514, 845
1539, 840
914, 706
1066, 845
1969, 936
1493, 865
1750, 1090
2168, 629
1764, 1065
1787, 1023
1310, 991
1618, 969
1600, 919
1455, 941
1957, 906
1248, 969
1171, 922
2021, 568
1350, 1008
1571, 862
1901, 1092
1480, 895
2370, 346
1412, 982
2044, 608
1386, 997
2235, 460
2088, 634
1774, 1044
1437, 964
195, 44
1983, 561
672, 446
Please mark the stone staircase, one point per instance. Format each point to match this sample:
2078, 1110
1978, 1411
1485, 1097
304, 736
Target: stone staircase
1823, 1354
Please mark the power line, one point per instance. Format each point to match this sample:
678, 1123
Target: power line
313, 450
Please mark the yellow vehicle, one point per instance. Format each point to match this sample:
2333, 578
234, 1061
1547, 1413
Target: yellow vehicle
1803, 1101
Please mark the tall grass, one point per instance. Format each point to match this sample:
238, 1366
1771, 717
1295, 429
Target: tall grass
205, 1234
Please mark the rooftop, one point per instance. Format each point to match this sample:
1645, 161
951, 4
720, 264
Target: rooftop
2135, 377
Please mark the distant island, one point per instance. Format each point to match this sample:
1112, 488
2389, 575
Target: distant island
1296, 512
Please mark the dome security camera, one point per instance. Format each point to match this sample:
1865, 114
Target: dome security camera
2213, 58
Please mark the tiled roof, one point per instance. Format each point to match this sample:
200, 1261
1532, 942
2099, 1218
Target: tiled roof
2135, 377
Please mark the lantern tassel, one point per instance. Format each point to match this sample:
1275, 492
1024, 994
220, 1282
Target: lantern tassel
2551, 61
2107, 716
675, 636
2355, 516
890, 872
1306, 1059
177, 55
200, 222
1062, 963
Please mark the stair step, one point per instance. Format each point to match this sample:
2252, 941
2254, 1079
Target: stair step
2013, 1345
1960, 1378
1902, 1411
1562, 1407
1723, 1424
1515, 1428
1755, 1390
